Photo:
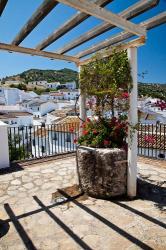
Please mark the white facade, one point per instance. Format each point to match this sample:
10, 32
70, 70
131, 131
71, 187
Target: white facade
53, 85
15, 82
39, 107
38, 83
71, 85
56, 96
69, 94
13, 96
16, 118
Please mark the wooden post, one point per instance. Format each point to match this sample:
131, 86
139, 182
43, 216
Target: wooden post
133, 120
82, 103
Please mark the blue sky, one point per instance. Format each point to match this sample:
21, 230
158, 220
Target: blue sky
151, 57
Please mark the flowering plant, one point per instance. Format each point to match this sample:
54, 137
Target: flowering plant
108, 133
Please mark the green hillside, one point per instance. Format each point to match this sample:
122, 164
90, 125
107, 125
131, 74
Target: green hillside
153, 90
62, 75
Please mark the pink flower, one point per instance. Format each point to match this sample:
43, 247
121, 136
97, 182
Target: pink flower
125, 95
106, 142
149, 139
71, 129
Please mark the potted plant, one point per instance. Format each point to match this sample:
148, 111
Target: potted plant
101, 150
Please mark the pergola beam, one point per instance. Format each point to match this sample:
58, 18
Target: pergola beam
148, 24
123, 46
67, 26
2, 5
105, 15
131, 12
43, 10
23, 50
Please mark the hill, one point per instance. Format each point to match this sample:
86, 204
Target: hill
154, 90
62, 75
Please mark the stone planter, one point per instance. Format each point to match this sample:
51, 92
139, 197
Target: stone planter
102, 172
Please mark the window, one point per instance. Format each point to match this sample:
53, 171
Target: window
68, 137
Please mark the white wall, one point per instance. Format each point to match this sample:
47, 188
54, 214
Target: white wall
4, 149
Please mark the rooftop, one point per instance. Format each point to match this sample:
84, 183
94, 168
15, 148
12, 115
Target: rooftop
36, 216
13, 114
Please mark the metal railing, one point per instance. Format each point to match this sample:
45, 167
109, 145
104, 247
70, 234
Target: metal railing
152, 140
33, 142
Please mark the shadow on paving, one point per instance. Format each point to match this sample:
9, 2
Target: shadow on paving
14, 167
4, 228
152, 192
30, 245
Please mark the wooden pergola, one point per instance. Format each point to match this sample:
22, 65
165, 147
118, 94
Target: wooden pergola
87, 8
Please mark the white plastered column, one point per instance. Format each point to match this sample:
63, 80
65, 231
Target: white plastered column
82, 103
4, 149
133, 120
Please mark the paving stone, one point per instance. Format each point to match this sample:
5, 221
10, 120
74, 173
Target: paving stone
47, 171
38, 182
47, 185
47, 234
26, 179
3, 198
16, 182
28, 185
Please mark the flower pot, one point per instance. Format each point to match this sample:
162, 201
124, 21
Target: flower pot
102, 172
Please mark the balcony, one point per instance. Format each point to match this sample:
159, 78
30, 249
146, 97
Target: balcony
39, 211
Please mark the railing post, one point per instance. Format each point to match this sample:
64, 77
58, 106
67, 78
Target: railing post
4, 149
133, 120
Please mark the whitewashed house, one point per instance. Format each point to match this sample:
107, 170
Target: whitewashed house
53, 85
56, 138
39, 107
16, 118
56, 96
69, 94
70, 85
14, 82
38, 83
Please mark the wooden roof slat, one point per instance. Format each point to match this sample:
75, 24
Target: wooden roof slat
131, 12
105, 15
67, 26
134, 43
30, 51
43, 10
2, 5
148, 24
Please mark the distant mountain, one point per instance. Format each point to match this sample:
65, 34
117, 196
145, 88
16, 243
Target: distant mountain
154, 90
62, 75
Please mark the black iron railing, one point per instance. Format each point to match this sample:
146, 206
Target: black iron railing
152, 140
32, 142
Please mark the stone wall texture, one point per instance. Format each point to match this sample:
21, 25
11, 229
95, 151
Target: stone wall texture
102, 172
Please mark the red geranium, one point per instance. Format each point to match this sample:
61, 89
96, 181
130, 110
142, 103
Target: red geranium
75, 140
95, 132
88, 120
85, 132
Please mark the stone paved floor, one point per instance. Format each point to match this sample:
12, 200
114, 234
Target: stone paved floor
32, 221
